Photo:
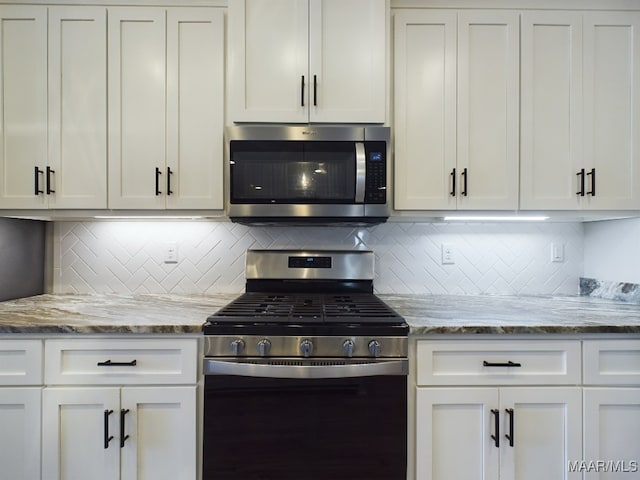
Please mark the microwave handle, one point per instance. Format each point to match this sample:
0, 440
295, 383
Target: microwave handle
361, 172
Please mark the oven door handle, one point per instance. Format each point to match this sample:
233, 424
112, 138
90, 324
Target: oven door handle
245, 369
361, 172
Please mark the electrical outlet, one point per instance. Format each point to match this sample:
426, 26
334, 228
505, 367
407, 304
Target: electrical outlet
448, 256
171, 252
557, 252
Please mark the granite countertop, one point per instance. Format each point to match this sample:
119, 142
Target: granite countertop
430, 314
491, 314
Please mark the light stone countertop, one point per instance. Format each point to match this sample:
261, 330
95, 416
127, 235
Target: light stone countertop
429, 314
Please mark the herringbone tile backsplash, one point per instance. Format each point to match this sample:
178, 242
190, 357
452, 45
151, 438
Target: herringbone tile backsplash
495, 258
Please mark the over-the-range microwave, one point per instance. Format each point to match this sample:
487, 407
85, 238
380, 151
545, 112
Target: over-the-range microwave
307, 174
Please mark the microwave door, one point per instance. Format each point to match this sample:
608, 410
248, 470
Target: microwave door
361, 172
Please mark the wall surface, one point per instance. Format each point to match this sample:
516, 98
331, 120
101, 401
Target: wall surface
490, 258
22, 244
612, 250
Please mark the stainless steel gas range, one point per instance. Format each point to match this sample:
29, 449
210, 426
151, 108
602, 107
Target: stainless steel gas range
306, 373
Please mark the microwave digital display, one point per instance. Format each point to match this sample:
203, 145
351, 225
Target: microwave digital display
376, 156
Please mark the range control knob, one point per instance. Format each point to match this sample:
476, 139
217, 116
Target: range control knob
375, 348
237, 346
306, 347
348, 346
264, 346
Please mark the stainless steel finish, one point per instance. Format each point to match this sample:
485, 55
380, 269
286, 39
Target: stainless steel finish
237, 346
348, 346
307, 132
264, 346
274, 264
289, 346
306, 348
361, 172
375, 348
302, 368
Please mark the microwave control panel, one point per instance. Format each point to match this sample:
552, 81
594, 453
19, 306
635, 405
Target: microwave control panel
376, 180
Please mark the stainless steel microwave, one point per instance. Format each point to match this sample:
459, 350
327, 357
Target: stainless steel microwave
307, 174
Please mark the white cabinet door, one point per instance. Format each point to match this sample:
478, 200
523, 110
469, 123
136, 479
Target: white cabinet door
612, 110
195, 108
20, 433
425, 109
488, 109
23, 106
551, 152
161, 426
544, 428
580, 111
611, 433
137, 83
80, 435
77, 108
347, 69
456, 110
299, 61
268, 61
453, 434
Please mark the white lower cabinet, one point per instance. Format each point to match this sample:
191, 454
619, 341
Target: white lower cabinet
110, 433
99, 423
20, 433
485, 429
611, 410
20, 399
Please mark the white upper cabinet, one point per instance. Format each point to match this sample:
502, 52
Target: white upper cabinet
23, 105
165, 108
77, 108
580, 111
456, 110
54, 136
299, 61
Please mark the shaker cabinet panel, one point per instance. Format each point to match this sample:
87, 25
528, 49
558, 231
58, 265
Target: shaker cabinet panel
301, 61
580, 111
195, 108
23, 105
137, 87
20, 433
77, 108
456, 110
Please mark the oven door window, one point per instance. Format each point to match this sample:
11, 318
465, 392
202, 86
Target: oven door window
292, 172
279, 429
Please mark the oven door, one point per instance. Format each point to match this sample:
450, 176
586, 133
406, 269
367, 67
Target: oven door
305, 426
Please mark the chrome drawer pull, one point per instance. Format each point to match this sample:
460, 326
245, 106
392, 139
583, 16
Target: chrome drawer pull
508, 364
109, 363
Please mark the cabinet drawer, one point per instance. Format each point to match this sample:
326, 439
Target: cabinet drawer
486, 362
611, 362
20, 362
121, 361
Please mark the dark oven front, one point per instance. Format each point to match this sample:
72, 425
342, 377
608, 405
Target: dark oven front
261, 428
